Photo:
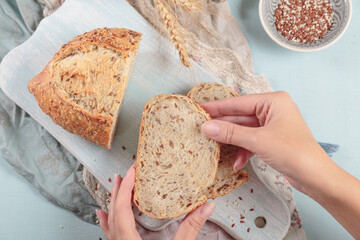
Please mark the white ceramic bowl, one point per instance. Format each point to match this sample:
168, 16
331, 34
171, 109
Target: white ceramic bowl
342, 16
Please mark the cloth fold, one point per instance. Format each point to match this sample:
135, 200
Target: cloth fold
41, 160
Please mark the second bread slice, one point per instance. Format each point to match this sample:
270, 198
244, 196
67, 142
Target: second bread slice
226, 178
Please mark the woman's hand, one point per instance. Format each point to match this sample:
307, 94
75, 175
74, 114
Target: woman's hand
120, 223
269, 125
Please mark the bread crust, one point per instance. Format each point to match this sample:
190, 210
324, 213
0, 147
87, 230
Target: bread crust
120, 40
94, 127
201, 87
242, 177
141, 138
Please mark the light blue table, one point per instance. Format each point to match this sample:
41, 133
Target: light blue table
326, 86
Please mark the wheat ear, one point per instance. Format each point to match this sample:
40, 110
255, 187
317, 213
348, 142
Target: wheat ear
192, 6
174, 31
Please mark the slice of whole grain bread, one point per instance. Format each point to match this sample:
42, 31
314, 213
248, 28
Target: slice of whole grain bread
175, 161
226, 178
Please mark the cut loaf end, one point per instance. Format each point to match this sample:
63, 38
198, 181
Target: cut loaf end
83, 86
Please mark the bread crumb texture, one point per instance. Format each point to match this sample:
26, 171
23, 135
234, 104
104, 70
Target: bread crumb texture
175, 161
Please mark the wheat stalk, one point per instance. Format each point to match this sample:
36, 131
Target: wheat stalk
173, 29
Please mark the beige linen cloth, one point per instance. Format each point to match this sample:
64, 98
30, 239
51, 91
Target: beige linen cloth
224, 51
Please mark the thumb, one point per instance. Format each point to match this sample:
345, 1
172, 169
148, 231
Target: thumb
230, 133
191, 224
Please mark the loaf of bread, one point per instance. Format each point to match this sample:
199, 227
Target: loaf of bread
226, 178
175, 162
83, 86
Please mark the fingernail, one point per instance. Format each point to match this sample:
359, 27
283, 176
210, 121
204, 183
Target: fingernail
128, 171
117, 179
207, 209
237, 165
211, 129
134, 165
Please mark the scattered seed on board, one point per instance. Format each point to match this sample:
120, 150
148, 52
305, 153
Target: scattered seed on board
242, 221
252, 190
248, 230
240, 198
233, 225
109, 179
251, 209
61, 226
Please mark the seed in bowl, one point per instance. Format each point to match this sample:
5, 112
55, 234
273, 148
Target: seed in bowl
303, 21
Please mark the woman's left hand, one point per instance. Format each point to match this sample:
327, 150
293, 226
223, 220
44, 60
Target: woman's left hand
120, 223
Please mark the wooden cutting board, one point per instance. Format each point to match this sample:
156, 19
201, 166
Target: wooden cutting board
156, 71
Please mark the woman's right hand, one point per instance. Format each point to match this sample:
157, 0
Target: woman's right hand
271, 126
